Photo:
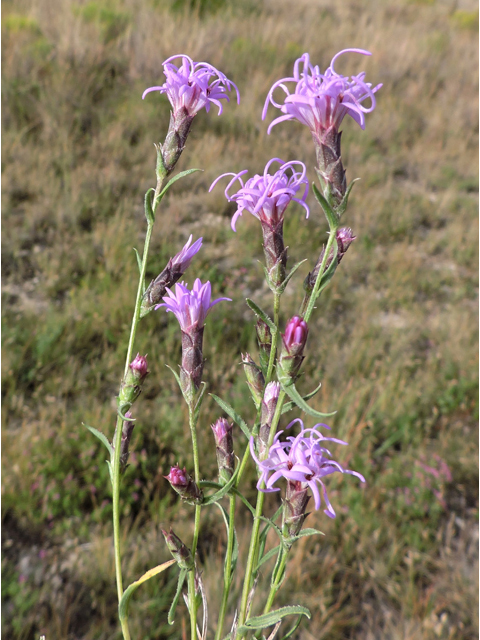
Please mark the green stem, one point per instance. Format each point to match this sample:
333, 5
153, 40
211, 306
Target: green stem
196, 530
253, 550
313, 297
118, 439
228, 569
276, 582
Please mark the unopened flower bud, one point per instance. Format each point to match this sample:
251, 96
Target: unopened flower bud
131, 386
127, 430
274, 250
293, 344
264, 338
179, 551
345, 238
222, 432
294, 508
255, 379
269, 404
184, 485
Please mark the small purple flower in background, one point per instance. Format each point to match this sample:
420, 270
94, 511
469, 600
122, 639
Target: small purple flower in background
322, 100
189, 85
267, 196
174, 270
301, 459
191, 309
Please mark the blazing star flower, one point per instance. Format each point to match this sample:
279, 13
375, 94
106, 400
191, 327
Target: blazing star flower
302, 460
322, 100
190, 307
267, 196
189, 85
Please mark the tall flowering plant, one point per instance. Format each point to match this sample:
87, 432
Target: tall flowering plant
298, 466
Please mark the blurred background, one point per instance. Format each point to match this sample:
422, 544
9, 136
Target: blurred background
394, 339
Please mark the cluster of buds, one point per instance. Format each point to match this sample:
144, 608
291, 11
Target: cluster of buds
184, 485
269, 404
127, 431
179, 551
131, 385
293, 344
189, 89
172, 273
222, 432
255, 379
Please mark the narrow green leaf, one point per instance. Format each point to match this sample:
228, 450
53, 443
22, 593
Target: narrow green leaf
330, 214
230, 411
293, 394
271, 618
103, 438
293, 629
177, 377
267, 556
291, 405
182, 174
139, 260
235, 544
149, 214
343, 205
308, 532
223, 491
261, 314
127, 594
198, 404
173, 607
270, 522
283, 286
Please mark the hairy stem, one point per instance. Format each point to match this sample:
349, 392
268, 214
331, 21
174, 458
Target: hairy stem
228, 568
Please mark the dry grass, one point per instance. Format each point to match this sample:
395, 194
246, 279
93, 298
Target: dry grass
394, 341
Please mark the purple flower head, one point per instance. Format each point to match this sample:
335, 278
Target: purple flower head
267, 196
322, 100
190, 307
302, 459
190, 86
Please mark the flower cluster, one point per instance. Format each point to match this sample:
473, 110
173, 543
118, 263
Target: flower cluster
190, 87
267, 196
301, 459
322, 100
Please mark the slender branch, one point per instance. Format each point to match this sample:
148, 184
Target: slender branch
313, 297
228, 568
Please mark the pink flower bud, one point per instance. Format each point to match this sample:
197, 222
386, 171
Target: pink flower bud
295, 336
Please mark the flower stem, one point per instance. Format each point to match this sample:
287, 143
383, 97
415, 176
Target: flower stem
228, 568
313, 297
191, 582
118, 439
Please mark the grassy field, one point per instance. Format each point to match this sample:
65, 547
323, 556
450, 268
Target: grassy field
394, 340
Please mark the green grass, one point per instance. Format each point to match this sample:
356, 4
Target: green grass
393, 341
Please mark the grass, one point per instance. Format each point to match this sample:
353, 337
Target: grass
393, 341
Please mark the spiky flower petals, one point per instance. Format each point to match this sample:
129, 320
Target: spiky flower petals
267, 196
193, 86
322, 100
190, 307
302, 459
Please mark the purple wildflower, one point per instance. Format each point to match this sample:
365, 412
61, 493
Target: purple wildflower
301, 459
189, 86
322, 100
190, 307
267, 196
